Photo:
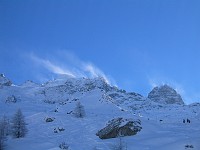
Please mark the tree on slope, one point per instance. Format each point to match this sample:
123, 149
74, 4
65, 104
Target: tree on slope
6, 124
79, 111
2, 134
19, 125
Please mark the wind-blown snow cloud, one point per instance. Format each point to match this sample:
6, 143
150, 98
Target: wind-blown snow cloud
51, 67
95, 72
71, 66
158, 82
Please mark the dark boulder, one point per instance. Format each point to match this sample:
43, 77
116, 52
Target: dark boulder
11, 99
49, 119
119, 127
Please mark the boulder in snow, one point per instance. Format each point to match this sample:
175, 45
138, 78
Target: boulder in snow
119, 127
49, 119
11, 99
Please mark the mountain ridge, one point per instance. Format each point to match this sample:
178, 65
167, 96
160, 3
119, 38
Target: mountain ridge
57, 99
163, 94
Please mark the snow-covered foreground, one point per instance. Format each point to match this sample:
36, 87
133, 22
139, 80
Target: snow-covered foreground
162, 125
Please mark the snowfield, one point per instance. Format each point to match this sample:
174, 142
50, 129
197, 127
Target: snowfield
162, 124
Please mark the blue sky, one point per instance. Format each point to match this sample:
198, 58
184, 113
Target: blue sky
135, 44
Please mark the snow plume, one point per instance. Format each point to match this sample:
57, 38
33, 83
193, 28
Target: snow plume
95, 72
51, 67
158, 82
71, 66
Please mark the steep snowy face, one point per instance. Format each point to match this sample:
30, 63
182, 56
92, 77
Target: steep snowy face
4, 81
64, 89
73, 85
165, 95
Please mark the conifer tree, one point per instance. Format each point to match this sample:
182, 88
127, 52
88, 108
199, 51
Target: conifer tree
2, 134
79, 111
19, 125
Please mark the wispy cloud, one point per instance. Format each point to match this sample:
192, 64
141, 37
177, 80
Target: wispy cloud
50, 66
158, 82
95, 72
69, 64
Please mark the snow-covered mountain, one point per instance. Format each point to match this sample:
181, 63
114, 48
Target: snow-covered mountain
165, 95
161, 115
4, 81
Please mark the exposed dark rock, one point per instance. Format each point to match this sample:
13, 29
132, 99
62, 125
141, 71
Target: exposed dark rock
49, 119
49, 101
189, 146
56, 130
11, 99
119, 127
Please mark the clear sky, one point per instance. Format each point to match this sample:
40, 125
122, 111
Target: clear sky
135, 44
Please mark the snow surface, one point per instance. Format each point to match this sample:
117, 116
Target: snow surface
162, 125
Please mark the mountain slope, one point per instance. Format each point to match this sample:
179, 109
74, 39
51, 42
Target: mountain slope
162, 125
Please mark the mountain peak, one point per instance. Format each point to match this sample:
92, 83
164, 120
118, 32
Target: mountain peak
4, 81
166, 95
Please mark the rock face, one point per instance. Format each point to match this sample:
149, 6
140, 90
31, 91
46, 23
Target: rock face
4, 81
11, 99
165, 95
119, 127
49, 119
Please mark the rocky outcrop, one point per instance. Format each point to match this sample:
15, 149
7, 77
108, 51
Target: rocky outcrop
4, 81
165, 95
49, 119
119, 127
11, 99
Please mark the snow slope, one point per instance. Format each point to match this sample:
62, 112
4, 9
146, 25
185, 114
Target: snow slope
162, 125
